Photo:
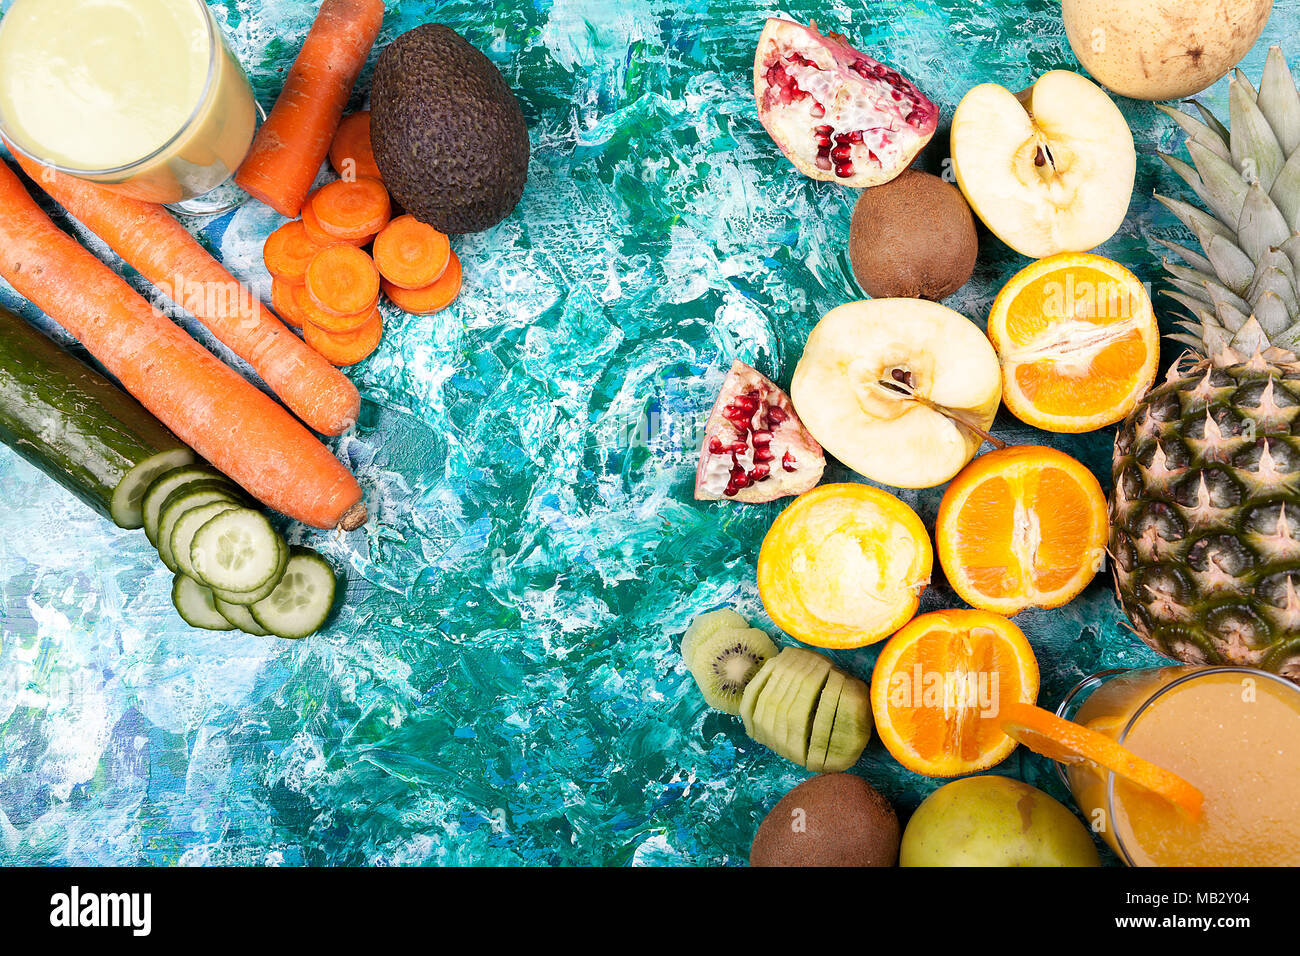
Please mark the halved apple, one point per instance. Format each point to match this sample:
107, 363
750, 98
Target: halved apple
1048, 170
902, 391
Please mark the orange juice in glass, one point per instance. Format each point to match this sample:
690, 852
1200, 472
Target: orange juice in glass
1232, 732
143, 96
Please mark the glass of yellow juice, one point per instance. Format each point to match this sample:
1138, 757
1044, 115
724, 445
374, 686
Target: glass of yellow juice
1232, 732
141, 96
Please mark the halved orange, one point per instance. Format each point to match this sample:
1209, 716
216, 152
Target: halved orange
1078, 342
1020, 527
940, 684
844, 566
1045, 733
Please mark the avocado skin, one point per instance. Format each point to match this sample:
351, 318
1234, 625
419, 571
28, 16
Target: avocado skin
449, 137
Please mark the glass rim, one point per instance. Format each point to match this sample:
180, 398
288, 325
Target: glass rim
1198, 672
216, 44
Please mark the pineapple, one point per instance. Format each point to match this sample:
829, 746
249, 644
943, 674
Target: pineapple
1205, 512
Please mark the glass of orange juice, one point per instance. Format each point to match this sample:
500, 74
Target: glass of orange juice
141, 96
1232, 732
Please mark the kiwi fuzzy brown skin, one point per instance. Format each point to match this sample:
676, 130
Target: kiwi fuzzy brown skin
833, 819
912, 238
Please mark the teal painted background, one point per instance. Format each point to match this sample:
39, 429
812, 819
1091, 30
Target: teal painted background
503, 686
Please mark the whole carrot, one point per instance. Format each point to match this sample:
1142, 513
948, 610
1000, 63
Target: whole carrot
165, 253
296, 137
208, 405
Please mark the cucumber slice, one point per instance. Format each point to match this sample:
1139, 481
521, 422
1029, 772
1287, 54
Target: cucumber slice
302, 601
186, 527
125, 507
252, 597
164, 485
240, 616
178, 503
197, 606
235, 551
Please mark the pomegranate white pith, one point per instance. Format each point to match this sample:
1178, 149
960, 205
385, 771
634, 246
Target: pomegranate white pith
837, 114
755, 448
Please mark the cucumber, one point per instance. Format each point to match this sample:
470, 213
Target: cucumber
178, 503
197, 606
235, 551
186, 527
78, 427
240, 616
252, 597
165, 484
302, 601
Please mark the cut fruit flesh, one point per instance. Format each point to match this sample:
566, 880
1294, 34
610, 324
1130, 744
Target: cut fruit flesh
125, 508
1049, 170
241, 617
197, 606
940, 684
184, 530
168, 482
824, 721
851, 731
302, 601
1045, 733
900, 390
724, 663
844, 566
237, 550
771, 697
753, 690
706, 625
1022, 527
794, 723
1078, 342
180, 502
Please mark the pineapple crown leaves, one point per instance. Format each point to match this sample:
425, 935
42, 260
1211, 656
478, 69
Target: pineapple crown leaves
1242, 287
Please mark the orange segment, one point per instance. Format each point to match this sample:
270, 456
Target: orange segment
1022, 527
844, 566
940, 684
1078, 342
1065, 741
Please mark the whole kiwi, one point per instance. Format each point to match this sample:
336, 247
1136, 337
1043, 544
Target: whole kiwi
833, 819
912, 238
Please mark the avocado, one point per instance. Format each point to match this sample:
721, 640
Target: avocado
449, 137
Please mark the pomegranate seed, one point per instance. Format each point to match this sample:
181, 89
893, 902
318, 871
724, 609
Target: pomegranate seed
855, 136
817, 111
823, 130
823, 141
762, 437
787, 462
823, 162
740, 447
715, 446
841, 153
844, 170
760, 472
763, 454
776, 415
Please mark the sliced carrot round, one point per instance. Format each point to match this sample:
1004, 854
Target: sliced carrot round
347, 348
318, 235
352, 210
1022, 527
288, 251
343, 280
939, 685
432, 298
351, 154
313, 314
411, 254
1067, 742
284, 300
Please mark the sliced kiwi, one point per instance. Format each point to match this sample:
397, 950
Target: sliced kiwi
706, 625
797, 715
785, 669
820, 739
724, 662
851, 731
756, 686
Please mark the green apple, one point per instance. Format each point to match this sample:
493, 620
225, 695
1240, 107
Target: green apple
995, 821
